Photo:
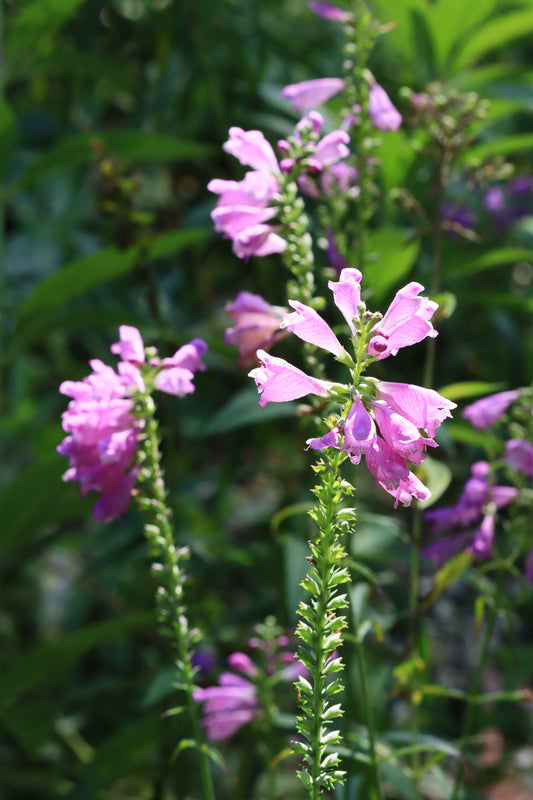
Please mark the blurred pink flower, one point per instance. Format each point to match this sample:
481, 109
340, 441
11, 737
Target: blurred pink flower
329, 11
312, 93
406, 322
485, 412
518, 455
256, 325
383, 114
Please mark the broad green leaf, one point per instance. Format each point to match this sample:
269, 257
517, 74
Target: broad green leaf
503, 146
447, 576
396, 256
458, 391
493, 258
498, 32
396, 154
374, 536
77, 278
451, 21
88, 272
52, 501
48, 662
244, 409
8, 132
464, 433
34, 23
436, 476
128, 146
295, 552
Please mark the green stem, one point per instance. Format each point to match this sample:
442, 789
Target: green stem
169, 569
471, 700
369, 717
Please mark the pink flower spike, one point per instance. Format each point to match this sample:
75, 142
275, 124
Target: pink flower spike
329, 11
251, 149
406, 322
383, 114
312, 93
278, 381
347, 295
485, 412
131, 346
309, 326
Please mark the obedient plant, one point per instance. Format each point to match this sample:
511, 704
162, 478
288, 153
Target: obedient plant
391, 425
113, 448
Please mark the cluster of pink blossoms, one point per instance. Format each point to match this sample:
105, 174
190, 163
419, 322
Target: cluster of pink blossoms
381, 420
103, 430
235, 701
246, 208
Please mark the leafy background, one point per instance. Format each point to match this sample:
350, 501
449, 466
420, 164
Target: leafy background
111, 124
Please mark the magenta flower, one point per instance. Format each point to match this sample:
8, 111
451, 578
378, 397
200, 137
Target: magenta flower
329, 11
383, 114
518, 455
228, 706
406, 321
312, 93
257, 325
528, 567
390, 424
485, 412
103, 433
477, 505
278, 381
245, 211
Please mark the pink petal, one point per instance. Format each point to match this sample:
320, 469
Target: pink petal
309, 326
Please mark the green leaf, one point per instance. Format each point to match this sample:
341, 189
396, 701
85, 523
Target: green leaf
34, 23
8, 132
48, 662
464, 433
458, 391
489, 260
451, 21
503, 145
437, 476
396, 154
128, 146
396, 256
498, 32
244, 409
447, 576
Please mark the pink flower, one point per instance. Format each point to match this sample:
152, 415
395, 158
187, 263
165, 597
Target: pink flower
425, 408
329, 11
519, 456
312, 93
278, 381
102, 431
228, 706
528, 567
309, 326
485, 412
257, 325
251, 149
383, 114
406, 322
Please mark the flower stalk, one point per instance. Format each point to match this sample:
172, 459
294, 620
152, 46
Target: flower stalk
169, 570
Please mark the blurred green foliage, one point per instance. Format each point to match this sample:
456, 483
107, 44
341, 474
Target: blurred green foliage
111, 124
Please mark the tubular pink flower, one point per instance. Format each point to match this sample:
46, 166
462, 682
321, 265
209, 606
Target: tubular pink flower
257, 325
400, 433
312, 93
227, 707
347, 295
383, 114
131, 346
332, 148
257, 240
406, 322
359, 431
309, 326
278, 381
425, 408
519, 456
231, 220
187, 357
240, 662
256, 189
329, 11
251, 149
485, 412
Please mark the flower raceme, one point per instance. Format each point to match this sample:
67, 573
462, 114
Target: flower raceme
103, 430
391, 424
245, 209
